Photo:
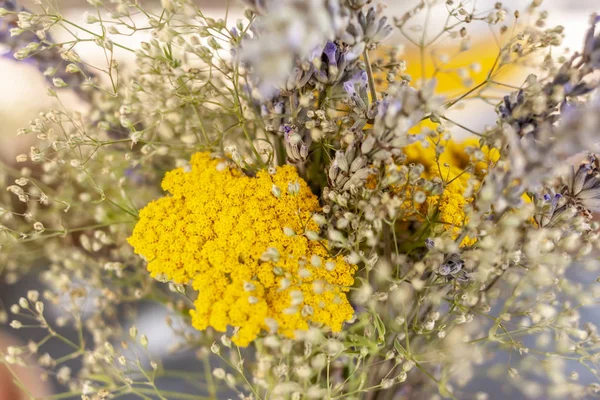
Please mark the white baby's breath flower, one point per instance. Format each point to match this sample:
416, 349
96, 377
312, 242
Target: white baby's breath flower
16, 324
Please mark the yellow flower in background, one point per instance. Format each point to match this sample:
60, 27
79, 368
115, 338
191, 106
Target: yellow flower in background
454, 69
452, 167
239, 240
459, 71
455, 155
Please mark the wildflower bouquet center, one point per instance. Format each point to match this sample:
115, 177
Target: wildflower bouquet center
328, 199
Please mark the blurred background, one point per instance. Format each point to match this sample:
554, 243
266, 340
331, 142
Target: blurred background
23, 90
23, 86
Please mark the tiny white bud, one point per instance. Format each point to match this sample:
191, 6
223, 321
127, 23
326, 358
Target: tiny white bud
402, 376
38, 227
276, 191
226, 341
387, 383
72, 69
408, 365
33, 295
315, 260
144, 340
16, 324
215, 348
293, 188
23, 302
219, 373
59, 82
90, 19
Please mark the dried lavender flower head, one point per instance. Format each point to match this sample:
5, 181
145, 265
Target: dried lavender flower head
582, 189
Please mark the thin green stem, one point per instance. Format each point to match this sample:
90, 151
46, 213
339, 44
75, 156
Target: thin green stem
369, 70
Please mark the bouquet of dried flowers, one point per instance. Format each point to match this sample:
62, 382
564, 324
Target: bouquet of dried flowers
291, 188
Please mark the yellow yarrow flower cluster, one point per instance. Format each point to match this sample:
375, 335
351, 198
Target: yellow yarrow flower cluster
450, 167
239, 240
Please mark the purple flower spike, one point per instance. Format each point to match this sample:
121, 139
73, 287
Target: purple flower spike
331, 52
349, 88
429, 243
364, 78
287, 130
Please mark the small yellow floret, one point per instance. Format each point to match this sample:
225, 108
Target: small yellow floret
224, 231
